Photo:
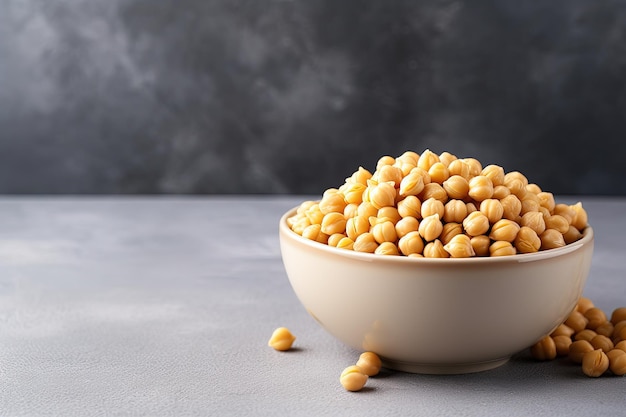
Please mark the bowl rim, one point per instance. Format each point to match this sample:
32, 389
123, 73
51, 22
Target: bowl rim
285, 231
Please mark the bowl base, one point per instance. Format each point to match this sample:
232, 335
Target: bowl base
443, 369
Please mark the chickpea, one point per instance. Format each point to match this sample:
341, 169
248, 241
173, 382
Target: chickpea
619, 314
352, 378
562, 344
617, 363
438, 172
346, 243
595, 317
578, 349
460, 246
332, 203
551, 239
566, 211
572, 235
449, 231
481, 188
314, 232
370, 363
388, 214
586, 334
545, 349
527, 240
563, 330
410, 157
385, 160
412, 184
434, 190
432, 206
595, 363
435, 249
454, 211
282, 339
476, 223
534, 220
533, 189
621, 345
410, 206
334, 239
580, 216
356, 226
584, 304
512, 207
351, 210
314, 214
384, 231
495, 173
383, 194
460, 168
602, 342
387, 248
546, 200
577, 321
411, 243
390, 173
446, 158
492, 209
365, 243
505, 230
475, 167
353, 193
502, 248
481, 244
333, 222
500, 191
456, 186
406, 225
427, 159
605, 329
557, 222
431, 227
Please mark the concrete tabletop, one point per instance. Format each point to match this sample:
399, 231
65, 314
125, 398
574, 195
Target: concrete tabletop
163, 306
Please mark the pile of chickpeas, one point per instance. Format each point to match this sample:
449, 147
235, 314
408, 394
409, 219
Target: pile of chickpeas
588, 337
439, 206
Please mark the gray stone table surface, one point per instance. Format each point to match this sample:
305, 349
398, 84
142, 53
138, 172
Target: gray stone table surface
163, 306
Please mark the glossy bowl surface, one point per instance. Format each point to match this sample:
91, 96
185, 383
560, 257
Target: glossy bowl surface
437, 316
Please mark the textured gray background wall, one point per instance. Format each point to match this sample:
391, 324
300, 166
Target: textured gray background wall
291, 96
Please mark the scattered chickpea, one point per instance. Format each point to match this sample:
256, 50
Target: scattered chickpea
576, 321
577, 349
585, 334
545, 349
619, 314
281, 339
595, 363
370, 363
562, 344
617, 362
352, 378
602, 342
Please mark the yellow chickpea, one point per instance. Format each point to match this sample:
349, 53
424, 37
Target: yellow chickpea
332, 203
384, 231
480, 188
595, 363
585, 334
406, 225
411, 206
546, 200
383, 194
353, 193
595, 317
454, 211
427, 159
481, 244
460, 168
495, 173
435, 249
563, 330
430, 228
314, 214
544, 350
370, 363
619, 314
457, 187
475, 167
535, 221
562, 344
602, 342
492, 208
572, 235
502, 248
385, 160
353, 378
411, 243
460, 246
356, 226
580, 216
446, 158
500, 191
505, 230
432, 206
512, 207
333, 222
578, 349
566, 211
282, 339
365, 243
557, 222
314, 232
412, 184
584, 304
605, 329
334, 239
476, 223
577, 321
388, 214
436, 191
617, 362
438, 172
527, 240
551, 239
386, 248
449, 231
346, 243
389, 173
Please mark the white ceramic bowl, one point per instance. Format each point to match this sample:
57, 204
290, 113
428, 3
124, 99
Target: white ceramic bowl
436, 315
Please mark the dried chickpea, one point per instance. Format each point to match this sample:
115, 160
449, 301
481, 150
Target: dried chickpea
584, 304
562, 344
602, 342
572, 235
500, 191
551, 239
605, 329
388, 214
505, 230
282, 339
410, 206
460, 168
436, 191
406, 225
435, 249
438, 172
432, 206
449, 231
495, 173
476, 223
492, 208
481, 188
411, 243
353, 378
527, 240
586, 334
430, 228
456, 186
383, 194
545, 349
480, 244
334, 239
576, 321
557, 222
365, 243
580, 216
512, 207
333, 222
595, 317
370, 363
502, 248
387, 248
534, 220
595, 363
454, 211
460, 246
412, 184
578, 349
384, 231
346, 243
563, 330
356, 226
427, 159
619, 314
617, 363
